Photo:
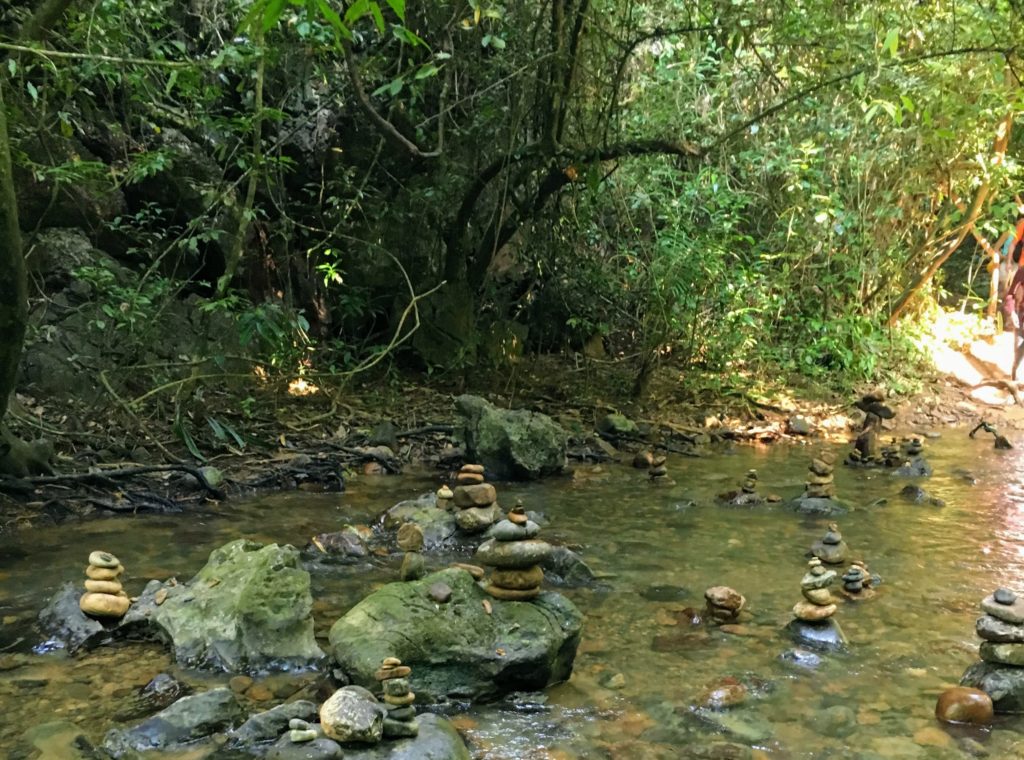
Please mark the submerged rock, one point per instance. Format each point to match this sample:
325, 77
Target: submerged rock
269, 724
248, 608
464, 648
1004, 684
187, 720
825, 635
511, 444
60, 739
564, 567
438, 525
67, 627
808, 505
163, 690
320, 748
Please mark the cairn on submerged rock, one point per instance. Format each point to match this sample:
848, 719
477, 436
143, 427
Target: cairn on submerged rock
658, 472
813, 625
400, 721
104, 597
857, 581
410, 541
831, 548
444, 497
1000, 674
515, 556
821, 480
724, 604
477, 500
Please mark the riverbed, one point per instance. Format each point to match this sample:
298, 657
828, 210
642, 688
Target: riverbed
642, 666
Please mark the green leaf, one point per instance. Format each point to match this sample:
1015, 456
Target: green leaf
892, 41
272, 14
378, 17
12, 66
427, 70
356, 11
398, 6
32, 91
340, 30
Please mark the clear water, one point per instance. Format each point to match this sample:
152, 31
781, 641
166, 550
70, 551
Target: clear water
658, 547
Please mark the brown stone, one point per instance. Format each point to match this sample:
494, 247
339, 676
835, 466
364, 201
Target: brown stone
469, 479
962, 704
399, 671
390, 662
410, 537
512, 595
103, 587
473, 469
813, 612
518, 515
475, 570
519, 580
820, 480
723, 596
103, 573
239, 684
407, 699
820, 467
104, 605
828, 458
259, 693
726, 692
819, 596
481, 495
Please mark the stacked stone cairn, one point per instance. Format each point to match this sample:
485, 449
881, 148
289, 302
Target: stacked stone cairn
515, 556
750, 482
820, 482
724, 604
1001, 672
819, 604
400, 721
410, 541
104, 597
857, 581
658, 472
831, 548
476, 500
913, 447
444, 497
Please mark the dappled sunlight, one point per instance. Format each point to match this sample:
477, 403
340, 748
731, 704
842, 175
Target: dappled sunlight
302, 387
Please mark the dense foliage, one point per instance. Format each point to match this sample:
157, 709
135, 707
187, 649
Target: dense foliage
722, 185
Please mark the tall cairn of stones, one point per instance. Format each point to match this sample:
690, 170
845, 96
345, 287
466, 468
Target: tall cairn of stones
104, 597
515, 554
475, 499
813, 625
1000, 674
821, 480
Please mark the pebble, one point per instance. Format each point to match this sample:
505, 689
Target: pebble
298, 724
475, 570
440, 592
811, 613
104, 605
298, 735
239, 684
410, 537
104, 559
1010, 613
723, 596
728, 692
103, 573
398, 671
1004, 596
962, 704
413, 567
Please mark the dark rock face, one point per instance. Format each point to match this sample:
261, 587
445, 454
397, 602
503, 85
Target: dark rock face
564, 567
67, 627
458, 649
822, 636
1005, 684
511, 444
187, 720
815, 506
270, 724
160, 692
437, 740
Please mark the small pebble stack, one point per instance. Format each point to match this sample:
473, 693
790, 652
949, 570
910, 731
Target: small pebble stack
475, 499
515, 555
820, 482
401, 718
913, 447
891, 456
857, 581
1002, 628
444, 497
750, 482
658, 471
301, 731
410, 541
818, 604
724, 603
104, 597
830, 548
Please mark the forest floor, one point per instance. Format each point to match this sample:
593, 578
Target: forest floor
211, 441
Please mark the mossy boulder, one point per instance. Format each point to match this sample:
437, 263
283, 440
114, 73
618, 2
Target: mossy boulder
513, 444
458, 649
249, 608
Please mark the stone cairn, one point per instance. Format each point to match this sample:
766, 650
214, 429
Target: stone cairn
866, 447
400, 721
104, 597
410, 541
820, 482
658, 472
913, 447
476, 500
444, 497
515, 555
749, 485
819, 604
831, 548
857, 581
724, 604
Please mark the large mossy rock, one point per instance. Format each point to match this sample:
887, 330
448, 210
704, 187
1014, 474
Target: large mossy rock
1004, 683
249, 608
458, 649
437, 740
512, 444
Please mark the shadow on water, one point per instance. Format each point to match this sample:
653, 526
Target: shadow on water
642, 665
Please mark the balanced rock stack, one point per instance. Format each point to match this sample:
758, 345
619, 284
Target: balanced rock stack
1001, 672
410, 541
400, 721
476, 500
818, 604
515, 555
104, 597
830, 548
658, 471
820, 483
913, 447
857, 581
750, 482
444, 497
724, 604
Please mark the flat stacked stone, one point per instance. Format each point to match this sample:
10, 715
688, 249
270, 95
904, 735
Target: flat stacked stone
1002, 629
658, 471
104, 597
514, 555
410, 541
476, 500
820, 481
830, 548
724, 604
819, 604
400, 721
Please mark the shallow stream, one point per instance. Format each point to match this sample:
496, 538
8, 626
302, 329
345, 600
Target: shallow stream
641, 665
